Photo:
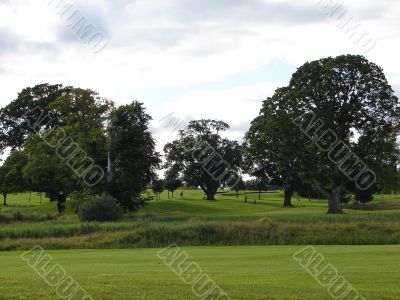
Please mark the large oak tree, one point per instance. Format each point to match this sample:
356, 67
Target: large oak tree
351, 117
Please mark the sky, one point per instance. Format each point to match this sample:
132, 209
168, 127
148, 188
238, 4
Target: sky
188, 59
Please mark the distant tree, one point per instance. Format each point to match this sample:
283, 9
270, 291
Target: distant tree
205, 158
133, 160
240, 186
262, 185
251, 185
158, 187
172, 181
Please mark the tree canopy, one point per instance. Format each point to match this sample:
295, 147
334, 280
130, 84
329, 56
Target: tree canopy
133, 160
205, 159
347, 120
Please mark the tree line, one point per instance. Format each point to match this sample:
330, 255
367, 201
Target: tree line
333, 131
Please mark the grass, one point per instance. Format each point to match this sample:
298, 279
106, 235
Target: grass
192, 221
243, 272
110, 260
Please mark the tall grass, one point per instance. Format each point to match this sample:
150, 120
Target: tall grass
194, 232
27, 217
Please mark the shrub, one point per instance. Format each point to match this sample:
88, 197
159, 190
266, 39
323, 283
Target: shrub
364, 196
101, 209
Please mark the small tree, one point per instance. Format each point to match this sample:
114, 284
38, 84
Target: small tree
11, 176
158, 187
262, 186
240, 186
172, 181
4, 187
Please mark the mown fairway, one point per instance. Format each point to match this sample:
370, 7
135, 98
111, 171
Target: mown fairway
243, 272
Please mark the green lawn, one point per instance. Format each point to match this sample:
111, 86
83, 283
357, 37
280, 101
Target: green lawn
192, 205
243, 272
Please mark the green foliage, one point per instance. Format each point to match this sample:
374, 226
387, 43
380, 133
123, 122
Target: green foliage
11, 175
365, 196
47, 171
133, 159
173, 180
352, 97
158, 187
101, 209
31, 105
203, 157
61, 131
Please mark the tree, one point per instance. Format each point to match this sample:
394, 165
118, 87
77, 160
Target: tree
240, 186
5, 188
133, 155
84, 116
270, 144
31, 106
11, 175
349, 113
158, 187
172, 181
204, 158
48, 172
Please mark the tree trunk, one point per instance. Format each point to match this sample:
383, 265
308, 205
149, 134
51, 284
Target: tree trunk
111, 159
334, 203
211, 194
288, 197
30, 196
259, 195
172, 195
5, 200
61, 201
334, 206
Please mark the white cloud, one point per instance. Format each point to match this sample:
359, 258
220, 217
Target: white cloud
180, 43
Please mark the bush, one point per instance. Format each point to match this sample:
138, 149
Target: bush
364, 196
101, 209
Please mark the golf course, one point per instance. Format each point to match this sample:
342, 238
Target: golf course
119, 260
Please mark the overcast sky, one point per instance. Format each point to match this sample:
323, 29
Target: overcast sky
194, 58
